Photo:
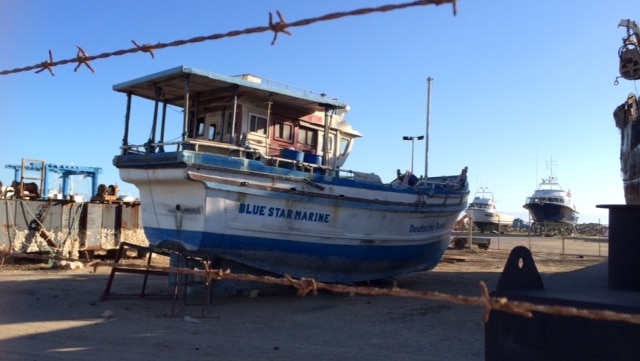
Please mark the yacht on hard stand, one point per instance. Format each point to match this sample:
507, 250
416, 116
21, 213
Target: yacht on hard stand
484, 214
551, 207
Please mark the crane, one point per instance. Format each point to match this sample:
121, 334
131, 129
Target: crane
65, 171
629, 52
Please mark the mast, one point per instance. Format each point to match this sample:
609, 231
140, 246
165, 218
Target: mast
426, 143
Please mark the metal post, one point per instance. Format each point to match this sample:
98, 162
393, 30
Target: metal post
530, 232
412, 139
235, 110
470, 238
426, 145
412, 142
498, 231
599, 238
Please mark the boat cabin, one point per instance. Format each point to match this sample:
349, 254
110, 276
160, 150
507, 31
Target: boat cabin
245, 114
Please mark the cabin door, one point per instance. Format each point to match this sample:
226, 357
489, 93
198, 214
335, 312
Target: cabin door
208, 127
338, 149
215, 121
213, 127
257, 132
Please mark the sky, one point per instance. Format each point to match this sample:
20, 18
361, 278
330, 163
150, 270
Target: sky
520, 88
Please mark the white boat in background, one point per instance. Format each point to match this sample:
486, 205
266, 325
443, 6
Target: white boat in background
550, 206
254, 173
484, 214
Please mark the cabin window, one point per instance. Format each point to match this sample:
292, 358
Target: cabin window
307, 136
257, 124
212, 132
344, 145
200, 127
284, 131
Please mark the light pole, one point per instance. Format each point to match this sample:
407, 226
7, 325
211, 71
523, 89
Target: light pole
412, 139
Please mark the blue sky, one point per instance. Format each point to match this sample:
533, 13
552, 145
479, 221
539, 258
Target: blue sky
516, 83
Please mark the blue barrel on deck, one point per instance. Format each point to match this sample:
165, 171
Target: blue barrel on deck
312, 158
291, 154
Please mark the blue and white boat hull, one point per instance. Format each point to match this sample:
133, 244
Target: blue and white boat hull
301, 228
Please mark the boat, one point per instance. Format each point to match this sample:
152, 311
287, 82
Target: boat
627, 115
551, 207
253, 173
484, 214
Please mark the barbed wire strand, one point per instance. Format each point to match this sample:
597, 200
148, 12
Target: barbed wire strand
305, 286
276, 27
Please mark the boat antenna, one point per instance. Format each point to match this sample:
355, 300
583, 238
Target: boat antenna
426, 143
550, 163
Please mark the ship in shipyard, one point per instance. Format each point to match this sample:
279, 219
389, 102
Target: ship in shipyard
38, 217
256, 176
627, 114
483, 212
551, 207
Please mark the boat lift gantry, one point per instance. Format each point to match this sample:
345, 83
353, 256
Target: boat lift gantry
65, 172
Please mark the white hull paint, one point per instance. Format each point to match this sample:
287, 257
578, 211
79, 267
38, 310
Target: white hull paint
215, 217
478, 215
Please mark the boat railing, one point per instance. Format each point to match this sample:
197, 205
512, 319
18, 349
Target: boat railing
191, 144
281, 85
150, 147
446, 182
442, 182
221, 148
359, 176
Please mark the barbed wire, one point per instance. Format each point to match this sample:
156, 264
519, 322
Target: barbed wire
304, 286
278, 27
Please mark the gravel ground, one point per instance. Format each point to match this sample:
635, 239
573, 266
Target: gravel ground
50, 314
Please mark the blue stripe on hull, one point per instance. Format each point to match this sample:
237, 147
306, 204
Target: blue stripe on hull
322, 262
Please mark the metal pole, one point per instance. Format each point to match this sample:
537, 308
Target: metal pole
412, 141
530, 232
499, 231
599, 238
235, 111
470, 237
426, 143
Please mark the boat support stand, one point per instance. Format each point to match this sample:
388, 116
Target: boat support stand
182, 283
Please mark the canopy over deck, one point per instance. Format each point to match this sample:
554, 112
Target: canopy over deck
207, 84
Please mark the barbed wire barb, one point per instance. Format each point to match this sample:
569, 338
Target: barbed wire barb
47, 64
279, 27
147, 48
83, 58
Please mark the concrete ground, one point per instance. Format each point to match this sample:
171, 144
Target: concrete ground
58, 315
